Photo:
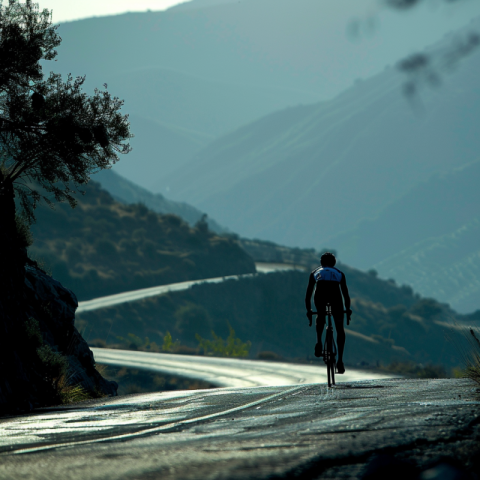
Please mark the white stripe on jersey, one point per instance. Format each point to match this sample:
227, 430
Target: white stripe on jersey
327, 274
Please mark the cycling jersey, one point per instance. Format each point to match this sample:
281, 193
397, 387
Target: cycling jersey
330, 284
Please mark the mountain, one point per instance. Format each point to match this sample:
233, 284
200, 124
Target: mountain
204, 69
104, 247
445, 267
157, 147
125, 191
428, 239
304, 174
174, 115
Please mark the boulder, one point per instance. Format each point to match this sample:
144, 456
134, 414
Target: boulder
53, 305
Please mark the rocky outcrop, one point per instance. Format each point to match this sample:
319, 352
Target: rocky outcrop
58, 329
40, 346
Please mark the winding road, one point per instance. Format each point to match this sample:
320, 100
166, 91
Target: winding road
227, 372
132, 296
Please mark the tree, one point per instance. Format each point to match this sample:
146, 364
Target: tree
53, 136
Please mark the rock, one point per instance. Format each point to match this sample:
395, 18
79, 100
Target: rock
39, 344
61, 301
54, 307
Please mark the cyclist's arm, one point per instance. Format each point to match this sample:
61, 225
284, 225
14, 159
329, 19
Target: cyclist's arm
308, 295
346, 295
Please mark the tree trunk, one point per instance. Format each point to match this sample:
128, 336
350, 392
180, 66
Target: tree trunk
12, 255
14, 380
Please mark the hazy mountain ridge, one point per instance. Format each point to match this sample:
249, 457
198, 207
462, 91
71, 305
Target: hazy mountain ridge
128, 192
207, 67
342, 162
445, 267
427, 239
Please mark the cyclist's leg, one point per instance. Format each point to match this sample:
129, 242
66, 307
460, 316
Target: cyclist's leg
319, 326
338, 318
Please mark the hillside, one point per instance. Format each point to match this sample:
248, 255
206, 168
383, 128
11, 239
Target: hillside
125, 191
428, 239
389, 323
206, 68
300, 176
104, 247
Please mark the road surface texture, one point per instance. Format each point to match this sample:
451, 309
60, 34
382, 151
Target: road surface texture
226, 372
302, 432
135, 295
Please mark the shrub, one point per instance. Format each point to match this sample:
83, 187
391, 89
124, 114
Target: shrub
168, 344
472, 360
231, 347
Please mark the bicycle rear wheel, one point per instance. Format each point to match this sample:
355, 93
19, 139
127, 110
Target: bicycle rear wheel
331, 366
330, 359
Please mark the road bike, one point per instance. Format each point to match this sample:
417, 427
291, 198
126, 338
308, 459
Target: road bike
329, 351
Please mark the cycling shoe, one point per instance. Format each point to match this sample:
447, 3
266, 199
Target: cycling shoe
340, 368
318, 350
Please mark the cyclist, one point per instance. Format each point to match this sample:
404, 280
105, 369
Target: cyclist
330, 284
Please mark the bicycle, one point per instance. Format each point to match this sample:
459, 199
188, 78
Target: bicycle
329, 352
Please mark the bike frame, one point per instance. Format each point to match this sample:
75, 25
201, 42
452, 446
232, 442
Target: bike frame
329, 347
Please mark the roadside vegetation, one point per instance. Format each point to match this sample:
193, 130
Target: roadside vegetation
215, 347
471, 356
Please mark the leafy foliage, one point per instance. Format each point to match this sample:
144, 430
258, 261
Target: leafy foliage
52, 134
231, 347
168, 344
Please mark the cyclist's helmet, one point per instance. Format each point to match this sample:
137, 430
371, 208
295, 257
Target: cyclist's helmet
328, 260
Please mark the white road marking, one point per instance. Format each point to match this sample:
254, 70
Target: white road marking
162, 428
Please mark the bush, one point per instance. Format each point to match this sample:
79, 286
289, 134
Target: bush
231, 347
168, 344
472, 360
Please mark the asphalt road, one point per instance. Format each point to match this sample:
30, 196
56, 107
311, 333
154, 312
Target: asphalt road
303, 432
227, 372
132, 296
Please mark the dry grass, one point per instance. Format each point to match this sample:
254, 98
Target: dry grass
472, 360
467, 342
68, 393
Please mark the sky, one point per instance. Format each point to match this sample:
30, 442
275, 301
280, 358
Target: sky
67, 10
